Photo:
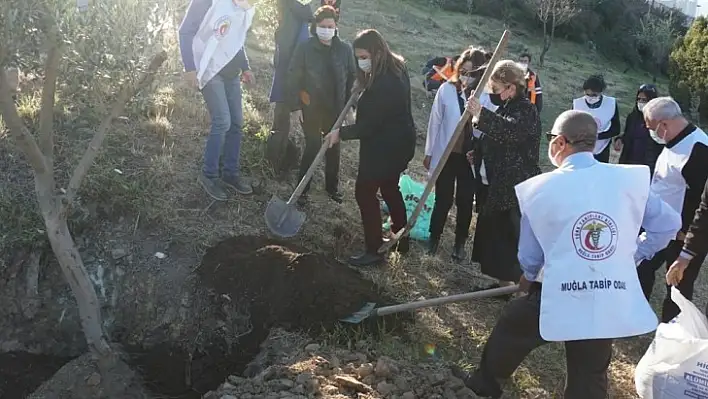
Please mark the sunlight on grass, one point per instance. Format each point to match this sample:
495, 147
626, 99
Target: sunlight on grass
28, 106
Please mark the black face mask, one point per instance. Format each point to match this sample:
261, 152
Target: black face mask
496, 99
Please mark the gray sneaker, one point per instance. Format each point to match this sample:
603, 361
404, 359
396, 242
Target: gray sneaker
238, 183
213, 187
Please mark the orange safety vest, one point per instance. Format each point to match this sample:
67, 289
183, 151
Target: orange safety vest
444, 73
531, 85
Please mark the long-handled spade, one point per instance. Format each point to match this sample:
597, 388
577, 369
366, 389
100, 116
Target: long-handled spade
370, 309
282, 218
501, 47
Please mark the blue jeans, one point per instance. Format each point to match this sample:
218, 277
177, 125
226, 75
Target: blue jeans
223, 100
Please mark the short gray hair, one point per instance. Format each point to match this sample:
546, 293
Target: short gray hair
578, 127
662, 109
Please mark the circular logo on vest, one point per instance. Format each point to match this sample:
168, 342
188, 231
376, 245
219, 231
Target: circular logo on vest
595, 236
222, 26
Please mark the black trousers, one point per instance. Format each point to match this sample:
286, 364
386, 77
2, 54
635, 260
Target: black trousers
496, 242
604, 156
281, 119
455, 183
481, 192
647, 275
517, 334
316, 124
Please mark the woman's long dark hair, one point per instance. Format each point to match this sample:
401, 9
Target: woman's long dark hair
382, 58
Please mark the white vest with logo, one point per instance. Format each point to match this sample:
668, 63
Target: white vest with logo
603, 117
221, 35
668, 181
586, 221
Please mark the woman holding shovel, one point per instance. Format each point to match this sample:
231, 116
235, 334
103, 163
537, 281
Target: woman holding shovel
384, 126
510, 138
320, 80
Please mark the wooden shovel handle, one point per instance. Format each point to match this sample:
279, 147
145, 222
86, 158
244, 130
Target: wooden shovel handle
320, 154
490, 293
501, 47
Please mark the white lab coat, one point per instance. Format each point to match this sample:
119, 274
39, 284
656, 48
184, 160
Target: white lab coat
444, 116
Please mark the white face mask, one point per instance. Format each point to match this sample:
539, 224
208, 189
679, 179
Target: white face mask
325, 34
592, 100
365, 65
551, 157
655, 136
524, 65
640, 106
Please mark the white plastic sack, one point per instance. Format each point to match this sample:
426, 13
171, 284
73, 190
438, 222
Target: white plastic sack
676, 363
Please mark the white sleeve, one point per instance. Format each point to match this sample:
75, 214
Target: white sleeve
487, 102
437, 113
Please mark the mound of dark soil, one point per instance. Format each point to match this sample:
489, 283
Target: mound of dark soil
257, 284
284, 285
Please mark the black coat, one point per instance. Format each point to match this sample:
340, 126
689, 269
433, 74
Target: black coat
510, 150
313, 65
384, 126
638, 147
292, 15
696, 242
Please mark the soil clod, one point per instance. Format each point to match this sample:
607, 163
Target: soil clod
285, 285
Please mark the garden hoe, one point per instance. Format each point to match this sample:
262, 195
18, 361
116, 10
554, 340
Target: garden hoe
501, 47
370, 309
282, 218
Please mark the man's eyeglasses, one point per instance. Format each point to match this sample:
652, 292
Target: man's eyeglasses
550, 136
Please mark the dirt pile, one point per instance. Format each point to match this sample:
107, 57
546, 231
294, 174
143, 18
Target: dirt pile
331, 373
259, 284
81, 378
283, 285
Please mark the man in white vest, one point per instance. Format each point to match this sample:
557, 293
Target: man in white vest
212, 38
578, 249
605, 111
679, 177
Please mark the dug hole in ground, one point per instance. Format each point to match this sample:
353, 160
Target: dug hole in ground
258, 297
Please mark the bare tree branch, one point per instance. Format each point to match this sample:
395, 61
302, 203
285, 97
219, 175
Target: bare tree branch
18, 129
552, 14
46, 112
117, 108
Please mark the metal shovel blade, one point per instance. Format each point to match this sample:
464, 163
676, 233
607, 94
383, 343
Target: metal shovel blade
282, 219
361, 314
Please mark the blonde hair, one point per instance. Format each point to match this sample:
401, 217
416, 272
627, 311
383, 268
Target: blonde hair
508, 72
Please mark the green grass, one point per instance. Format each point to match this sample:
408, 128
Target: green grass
418, 32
